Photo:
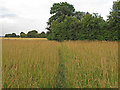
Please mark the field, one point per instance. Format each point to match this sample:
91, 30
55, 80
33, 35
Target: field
23, 38
50, 64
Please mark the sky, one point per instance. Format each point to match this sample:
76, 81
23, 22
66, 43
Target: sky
24, 15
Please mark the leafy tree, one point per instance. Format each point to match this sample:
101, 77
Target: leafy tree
47, 33
114, 21
17, 36
91, 27
6, 35
32, 34
79, 15
66, 30
43, 35
60, 10
23, 35
11, 35
38, 35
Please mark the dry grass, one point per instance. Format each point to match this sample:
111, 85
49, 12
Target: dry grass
91, 64
29, 63
42, 63
23, 38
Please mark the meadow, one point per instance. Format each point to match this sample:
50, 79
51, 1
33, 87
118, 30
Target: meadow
50, 64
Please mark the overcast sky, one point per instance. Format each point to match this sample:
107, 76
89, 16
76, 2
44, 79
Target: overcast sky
25, 15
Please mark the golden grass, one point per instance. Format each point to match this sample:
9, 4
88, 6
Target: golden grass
71, 64
29, 63
91, 64
23, 38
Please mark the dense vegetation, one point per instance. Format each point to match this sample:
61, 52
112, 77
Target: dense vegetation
68, 24
30, 34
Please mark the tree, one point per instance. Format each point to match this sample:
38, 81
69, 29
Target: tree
66, 30
43, 35
11, 35
32, 34
91, 27
7, 35
17, 36
79, 15
60, 10
75, 25
23, 35
114, 21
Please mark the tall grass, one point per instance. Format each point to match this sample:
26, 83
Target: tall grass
50, 64
29, 63
91, 64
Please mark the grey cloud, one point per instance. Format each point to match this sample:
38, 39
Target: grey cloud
5, 13
3, 9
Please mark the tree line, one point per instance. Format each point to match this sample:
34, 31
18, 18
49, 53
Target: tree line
30, 34
68, 24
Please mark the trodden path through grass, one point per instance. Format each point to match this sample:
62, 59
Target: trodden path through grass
60, 79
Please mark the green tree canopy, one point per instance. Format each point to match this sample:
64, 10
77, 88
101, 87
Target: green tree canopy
23, 35
62, 10
91, 26
79, 25
42, 35
79, 15
114, 21
32, 34
66, 30
11, 35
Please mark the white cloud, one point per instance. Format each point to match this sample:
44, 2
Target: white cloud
25, 15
